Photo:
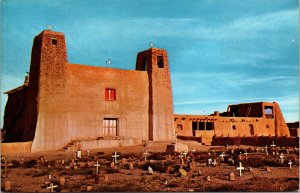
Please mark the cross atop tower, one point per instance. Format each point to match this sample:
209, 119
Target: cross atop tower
151, 44
49, 26
108, 62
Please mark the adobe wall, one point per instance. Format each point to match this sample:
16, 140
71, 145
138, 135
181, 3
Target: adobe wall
281, 127
15, 115
223, 126
87, 107
233, 125
16, 147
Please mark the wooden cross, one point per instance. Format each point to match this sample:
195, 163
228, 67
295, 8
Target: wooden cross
240, 168
5, 166
290, 163
146, 154
51, 187
222, 156
115, 156
97, 166
281, 157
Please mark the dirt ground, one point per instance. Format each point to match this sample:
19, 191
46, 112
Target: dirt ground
25, 177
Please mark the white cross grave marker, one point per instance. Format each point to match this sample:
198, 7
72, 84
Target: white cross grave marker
78, 154
97, 166
290, 163
51, 187
181, 156
146, 154
115, 157
185, 153
266, 150
240, 168
209, 161
273, 144
222, 156
281, 158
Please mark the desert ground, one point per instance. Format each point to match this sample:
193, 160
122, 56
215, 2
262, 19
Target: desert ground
159, 171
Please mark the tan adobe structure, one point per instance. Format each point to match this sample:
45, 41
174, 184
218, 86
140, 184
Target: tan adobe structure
244, 120
64, 102
61, 102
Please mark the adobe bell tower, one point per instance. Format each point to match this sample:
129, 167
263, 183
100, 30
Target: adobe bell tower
161, 115
46, 116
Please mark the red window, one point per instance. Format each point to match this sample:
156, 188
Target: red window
110, 94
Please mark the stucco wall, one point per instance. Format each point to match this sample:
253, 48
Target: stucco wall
87, 106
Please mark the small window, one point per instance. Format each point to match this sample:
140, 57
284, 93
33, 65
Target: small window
179, 126
209, 126
268, 110
160, 62
54, 41
110, 94
202, 126
194, 125
267, 126
233, 127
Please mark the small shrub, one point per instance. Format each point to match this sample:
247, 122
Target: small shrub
15, 163
30, 163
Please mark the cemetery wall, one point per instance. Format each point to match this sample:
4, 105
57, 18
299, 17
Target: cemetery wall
17, 147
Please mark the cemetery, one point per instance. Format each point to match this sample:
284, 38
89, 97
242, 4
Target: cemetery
154, 167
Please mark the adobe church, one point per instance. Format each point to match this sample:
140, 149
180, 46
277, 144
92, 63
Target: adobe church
64, 102
61, 103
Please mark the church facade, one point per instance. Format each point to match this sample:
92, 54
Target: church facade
62, 102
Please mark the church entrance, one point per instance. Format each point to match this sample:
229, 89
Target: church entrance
110, 127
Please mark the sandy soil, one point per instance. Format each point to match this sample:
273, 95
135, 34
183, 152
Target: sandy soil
26, 178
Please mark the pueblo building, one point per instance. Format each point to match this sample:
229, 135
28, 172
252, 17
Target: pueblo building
63, 104
243, 120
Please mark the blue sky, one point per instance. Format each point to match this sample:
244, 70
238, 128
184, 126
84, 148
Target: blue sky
220, 51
